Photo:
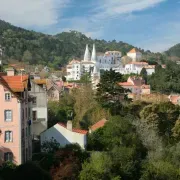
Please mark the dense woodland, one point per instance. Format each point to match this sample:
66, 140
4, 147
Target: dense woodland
38, 48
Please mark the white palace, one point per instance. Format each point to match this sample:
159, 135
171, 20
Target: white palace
111, 59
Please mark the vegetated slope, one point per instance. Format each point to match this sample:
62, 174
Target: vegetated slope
174, 51
33, 47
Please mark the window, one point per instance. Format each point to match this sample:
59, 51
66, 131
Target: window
8, 115
34, 100
7, 96
34, 115
26, 113
8, 136
8, 156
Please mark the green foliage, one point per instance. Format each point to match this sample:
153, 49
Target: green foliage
50, 146
58, 111
143, 74
166, 80
31, 171
85, 78
98, 168
109, 93
38, 48
174, 51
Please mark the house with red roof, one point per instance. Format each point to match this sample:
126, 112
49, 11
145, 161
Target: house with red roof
15, 118
175, 99
135, 54
65, 134
97, 125
136, 85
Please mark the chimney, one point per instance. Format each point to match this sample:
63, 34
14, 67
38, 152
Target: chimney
69, 125
10, 71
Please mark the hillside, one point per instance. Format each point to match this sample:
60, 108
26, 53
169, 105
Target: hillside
38, 48
174, 51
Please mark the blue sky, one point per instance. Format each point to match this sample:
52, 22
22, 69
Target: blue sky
148, 24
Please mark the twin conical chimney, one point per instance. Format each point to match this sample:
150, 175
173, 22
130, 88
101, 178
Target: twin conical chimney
87, 54
93, 57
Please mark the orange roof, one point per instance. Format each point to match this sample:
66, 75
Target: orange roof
39, 81
99, 124
15, 83
126, 84
74, 61
145, 86
140, 63
174, 99
134, 50
80, 131
150, 67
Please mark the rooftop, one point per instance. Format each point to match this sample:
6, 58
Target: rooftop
15, 83
134, 50
139, 63
98, 125
39, 81
80, 131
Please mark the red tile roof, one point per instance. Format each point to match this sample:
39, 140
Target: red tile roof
126, 84
15, 83
145, 86
98, 125
39, 81
139, 63
134, 50
80, 131
174, 98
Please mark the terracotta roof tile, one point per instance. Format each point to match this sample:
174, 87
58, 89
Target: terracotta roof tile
126, 84
15, 83
139, 63
98, 125
39, 81
80, 131
134, 50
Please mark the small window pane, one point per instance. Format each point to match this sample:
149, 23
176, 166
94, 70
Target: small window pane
8, 115
7, 96
8, 136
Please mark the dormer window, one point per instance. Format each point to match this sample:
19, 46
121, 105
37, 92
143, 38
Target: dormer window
7, 96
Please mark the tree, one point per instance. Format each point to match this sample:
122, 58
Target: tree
109, 93
143, 73
27, 56
50, 146
30, 171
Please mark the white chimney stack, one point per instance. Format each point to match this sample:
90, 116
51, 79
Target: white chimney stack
10, 72
87, 54
69, 125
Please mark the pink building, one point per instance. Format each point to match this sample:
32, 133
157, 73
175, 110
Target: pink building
15, 123
136, 85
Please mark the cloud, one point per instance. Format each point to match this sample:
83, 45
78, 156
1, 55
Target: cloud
29, 13
104, 12
119, 7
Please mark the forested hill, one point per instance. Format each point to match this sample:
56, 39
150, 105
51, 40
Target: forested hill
33, 47
174, 51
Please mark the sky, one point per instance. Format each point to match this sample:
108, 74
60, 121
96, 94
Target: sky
149, 24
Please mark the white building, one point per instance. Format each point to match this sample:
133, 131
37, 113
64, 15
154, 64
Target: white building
135, 55
65, 134
75, 69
